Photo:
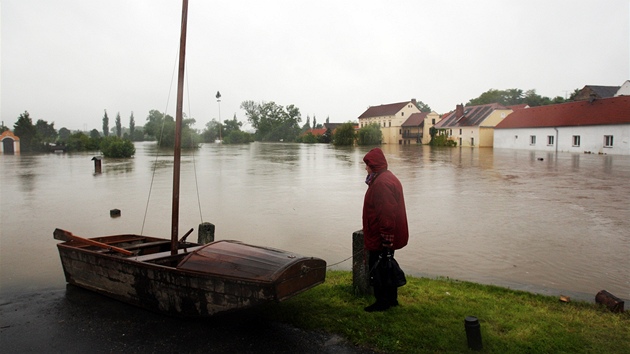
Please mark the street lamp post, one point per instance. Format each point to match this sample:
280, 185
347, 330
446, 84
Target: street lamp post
218, 96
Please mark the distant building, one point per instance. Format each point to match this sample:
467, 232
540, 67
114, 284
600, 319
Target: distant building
401, 123
624, 90
9, 143
596, 92
593, 126
416, 128
473, 125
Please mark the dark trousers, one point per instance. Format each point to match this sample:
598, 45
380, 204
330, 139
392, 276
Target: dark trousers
385, 295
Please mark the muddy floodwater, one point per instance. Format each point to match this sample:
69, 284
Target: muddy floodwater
536, 221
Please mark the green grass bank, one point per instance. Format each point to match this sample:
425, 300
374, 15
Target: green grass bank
431, 317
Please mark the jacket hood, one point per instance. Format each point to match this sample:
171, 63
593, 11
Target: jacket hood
375, 159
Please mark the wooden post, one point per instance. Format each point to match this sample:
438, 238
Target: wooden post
97, 164
609, 300
205, 233
360, 281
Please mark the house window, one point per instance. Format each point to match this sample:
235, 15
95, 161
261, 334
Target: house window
399, 131
472, 141
608, 141
402, 114
384, 124
460, 132
550, 139
576, 140
390, 123
532, 140
450, 132
433, 121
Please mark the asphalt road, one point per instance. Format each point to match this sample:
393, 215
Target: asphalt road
78, 321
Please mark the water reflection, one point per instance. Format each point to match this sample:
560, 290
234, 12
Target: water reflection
529, 220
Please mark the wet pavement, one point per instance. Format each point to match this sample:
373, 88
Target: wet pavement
79, 321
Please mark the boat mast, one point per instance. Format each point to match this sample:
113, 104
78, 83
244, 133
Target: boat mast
178, 131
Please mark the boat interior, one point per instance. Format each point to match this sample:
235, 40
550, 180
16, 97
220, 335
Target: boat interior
144, 248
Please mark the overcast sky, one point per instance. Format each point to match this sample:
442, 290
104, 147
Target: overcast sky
65, 61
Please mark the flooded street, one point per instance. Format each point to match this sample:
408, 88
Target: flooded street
535, 221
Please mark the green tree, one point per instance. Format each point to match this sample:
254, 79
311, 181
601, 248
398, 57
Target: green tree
232, 125
423, 107
116, 147
238, 137
46, 133
162, 128
94, 134
132, 127
26, 131
273, 122
80, 142
138, 134
105, 124
370, 135
64, 134
308, 138
211, 133
344, 135
118, 125
515, 96
155, 120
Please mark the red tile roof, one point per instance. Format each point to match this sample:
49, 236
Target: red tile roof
615, 110
384, 110
415, 119
315, 132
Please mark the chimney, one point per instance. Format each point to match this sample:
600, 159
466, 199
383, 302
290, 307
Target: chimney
413, 100
459, 111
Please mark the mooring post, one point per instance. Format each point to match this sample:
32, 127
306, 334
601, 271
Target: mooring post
473, 333
97, 164
205, 233
360, 281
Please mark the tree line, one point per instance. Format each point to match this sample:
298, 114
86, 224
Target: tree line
272, 123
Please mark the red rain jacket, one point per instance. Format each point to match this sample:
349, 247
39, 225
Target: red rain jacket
384, 210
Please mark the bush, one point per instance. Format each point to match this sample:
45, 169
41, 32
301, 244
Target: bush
370, 135
238, 137
309, 138
113, 146
442, 140
344, 135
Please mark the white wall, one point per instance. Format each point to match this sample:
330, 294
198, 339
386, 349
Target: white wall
591, 139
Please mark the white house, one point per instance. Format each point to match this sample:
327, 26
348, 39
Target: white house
597, 126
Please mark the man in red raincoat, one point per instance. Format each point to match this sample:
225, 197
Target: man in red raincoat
384, 221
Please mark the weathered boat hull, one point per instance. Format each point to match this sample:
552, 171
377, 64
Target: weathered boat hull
202, 280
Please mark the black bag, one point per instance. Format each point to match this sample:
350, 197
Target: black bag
387, 272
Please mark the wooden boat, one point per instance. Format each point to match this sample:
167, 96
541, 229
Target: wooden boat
182, 278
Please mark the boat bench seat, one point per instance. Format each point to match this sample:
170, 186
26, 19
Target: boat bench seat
147, 245
158, 255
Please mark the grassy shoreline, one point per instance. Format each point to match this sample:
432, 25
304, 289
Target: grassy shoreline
432, 312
